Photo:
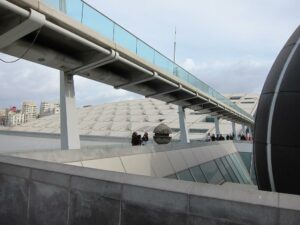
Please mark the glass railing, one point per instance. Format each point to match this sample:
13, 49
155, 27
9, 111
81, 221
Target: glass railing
92, 18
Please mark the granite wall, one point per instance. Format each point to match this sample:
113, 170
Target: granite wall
37, 193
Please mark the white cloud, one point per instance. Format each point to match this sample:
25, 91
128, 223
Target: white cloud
246, 75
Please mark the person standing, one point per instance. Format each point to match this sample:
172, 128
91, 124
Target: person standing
145, 138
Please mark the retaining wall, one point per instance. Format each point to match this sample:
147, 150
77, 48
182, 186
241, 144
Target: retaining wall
36, 192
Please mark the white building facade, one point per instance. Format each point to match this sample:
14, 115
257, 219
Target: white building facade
49, 108
29, 109
14, 119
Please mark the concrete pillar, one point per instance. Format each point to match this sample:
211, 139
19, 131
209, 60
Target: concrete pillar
243, 129
250, 133
69, 134
217, 126
184, 133
234, 131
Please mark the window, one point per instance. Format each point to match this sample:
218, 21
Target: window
235, 97
246, 157
212, 173
229, 169
235, 170
196, 113
185, 175
241, 168
210, 119
247, 102
223, 170
198, 174
193, 130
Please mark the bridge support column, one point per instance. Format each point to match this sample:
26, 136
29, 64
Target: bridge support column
184, 136
217, 126
69, 135
250, 132
243, 129
234, 131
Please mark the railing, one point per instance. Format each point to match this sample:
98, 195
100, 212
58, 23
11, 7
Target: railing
90, 17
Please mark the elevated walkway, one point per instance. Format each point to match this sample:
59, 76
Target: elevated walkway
85, 42
75, 38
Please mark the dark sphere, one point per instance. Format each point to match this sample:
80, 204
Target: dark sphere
276, 144
161, 134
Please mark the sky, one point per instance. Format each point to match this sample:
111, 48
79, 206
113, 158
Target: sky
231, 45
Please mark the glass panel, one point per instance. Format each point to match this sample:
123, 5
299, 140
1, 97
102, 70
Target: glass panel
229, 170
181, 73
185, 175
246, 157
212, 173
175, 70
145, 51
53, 3
241, 167
172, 176
96, 21
223, 170
74, 9
199, 84
198, 174
253, 175
235, 169
163, 62
125, 39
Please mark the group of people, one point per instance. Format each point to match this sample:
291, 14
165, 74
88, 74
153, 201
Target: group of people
137, 139
220, 137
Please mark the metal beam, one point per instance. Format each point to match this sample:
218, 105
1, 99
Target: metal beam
138, 67
34, 22
12, 7
183, 99
168, 82
164, 92
23, 12
216, 113
131, 83
202, 103
112, 57
228, 118
227, 113
200, 111
209, 108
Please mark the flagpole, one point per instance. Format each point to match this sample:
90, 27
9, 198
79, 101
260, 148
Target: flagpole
174, 50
